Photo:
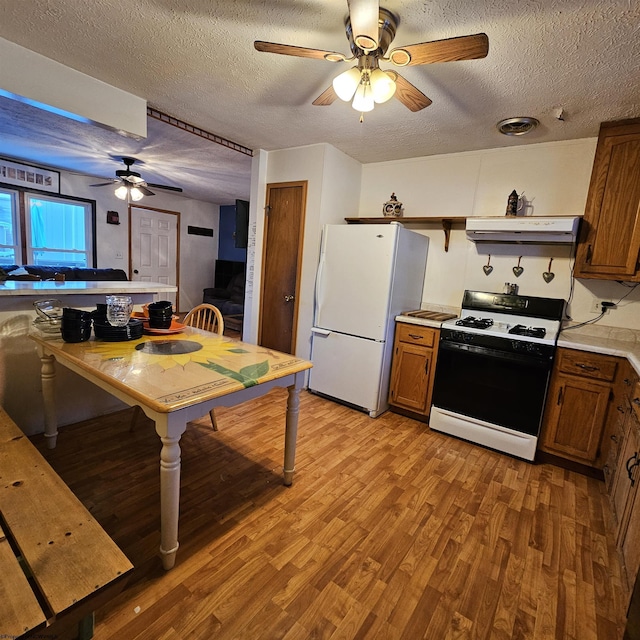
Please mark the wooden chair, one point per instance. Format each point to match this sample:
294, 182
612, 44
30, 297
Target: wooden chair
208, 318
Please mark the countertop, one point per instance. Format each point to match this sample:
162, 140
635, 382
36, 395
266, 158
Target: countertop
434, 323
52, 288
613, 341
624, 343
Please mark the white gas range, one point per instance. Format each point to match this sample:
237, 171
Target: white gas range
493, 370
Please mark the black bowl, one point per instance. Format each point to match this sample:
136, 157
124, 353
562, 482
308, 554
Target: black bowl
159, 323
80, 334
161, 304
77, 314
71, 324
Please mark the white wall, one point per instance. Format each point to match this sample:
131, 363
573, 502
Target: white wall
197, 253
332, 194
554, 178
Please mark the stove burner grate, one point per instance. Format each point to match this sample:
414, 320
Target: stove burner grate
476, 323
531, 332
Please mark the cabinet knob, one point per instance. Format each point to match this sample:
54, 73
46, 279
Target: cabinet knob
620, 409
614, 437
636, 400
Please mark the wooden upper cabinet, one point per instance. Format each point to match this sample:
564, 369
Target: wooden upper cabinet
609, 243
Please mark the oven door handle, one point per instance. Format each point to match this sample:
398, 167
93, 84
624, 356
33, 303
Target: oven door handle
496, 353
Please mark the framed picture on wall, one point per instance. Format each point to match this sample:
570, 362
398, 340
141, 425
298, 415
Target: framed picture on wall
30, 177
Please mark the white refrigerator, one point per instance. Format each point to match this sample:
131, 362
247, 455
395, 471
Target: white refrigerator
367, 274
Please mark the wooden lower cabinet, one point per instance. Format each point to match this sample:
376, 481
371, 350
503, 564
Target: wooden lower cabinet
624, 493
412, 370
578, 405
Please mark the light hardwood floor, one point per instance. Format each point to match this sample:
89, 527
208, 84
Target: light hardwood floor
389, 531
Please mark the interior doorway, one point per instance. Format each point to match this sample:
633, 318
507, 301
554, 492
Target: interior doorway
154, 236
281, 265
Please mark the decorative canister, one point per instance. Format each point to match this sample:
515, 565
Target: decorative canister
392, 208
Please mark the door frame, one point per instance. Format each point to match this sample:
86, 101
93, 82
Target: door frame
173, 213
265, 243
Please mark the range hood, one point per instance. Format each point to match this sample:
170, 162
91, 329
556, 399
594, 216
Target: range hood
525, 229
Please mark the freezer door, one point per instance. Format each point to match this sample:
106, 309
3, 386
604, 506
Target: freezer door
354, 279
350, 369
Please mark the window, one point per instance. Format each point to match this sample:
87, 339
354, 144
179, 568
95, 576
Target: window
59, 232
9, 228
53, 230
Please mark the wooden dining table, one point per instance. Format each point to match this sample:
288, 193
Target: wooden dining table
175, 378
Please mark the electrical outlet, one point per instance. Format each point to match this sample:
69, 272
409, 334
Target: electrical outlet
596, 306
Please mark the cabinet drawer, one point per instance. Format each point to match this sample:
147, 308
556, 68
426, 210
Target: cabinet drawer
587, 365
416, 334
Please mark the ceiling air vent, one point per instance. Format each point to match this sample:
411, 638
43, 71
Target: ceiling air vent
517, 126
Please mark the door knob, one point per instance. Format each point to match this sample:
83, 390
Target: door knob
135, 271
288, 298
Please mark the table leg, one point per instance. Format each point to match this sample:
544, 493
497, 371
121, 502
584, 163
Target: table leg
169, 499
291, 431
48, 378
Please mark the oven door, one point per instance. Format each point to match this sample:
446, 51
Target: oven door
505, 389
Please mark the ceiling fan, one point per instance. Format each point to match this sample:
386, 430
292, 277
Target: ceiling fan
370, 30
131, 183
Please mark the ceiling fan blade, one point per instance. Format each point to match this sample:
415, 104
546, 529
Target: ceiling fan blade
364, 15
449, 50
145, 191
299, 52
327, 97
103, 184
164, 186
410, 96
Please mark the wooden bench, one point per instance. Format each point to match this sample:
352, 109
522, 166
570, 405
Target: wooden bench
57, 564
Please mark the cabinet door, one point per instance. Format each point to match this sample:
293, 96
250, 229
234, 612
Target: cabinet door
576, 411
627, 504
610, 239
410, 377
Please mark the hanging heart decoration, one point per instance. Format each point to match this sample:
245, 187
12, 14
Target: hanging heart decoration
487, 268
517, 271
548, 275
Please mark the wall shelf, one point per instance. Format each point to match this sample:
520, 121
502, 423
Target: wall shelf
445, 223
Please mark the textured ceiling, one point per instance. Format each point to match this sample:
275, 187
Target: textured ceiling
194, 59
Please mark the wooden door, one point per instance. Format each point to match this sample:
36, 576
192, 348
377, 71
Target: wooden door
281, 265
154, 252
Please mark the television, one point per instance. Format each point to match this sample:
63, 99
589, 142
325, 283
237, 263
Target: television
242, 224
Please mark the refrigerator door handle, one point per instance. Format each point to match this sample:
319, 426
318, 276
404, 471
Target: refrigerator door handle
319, 284
320, 332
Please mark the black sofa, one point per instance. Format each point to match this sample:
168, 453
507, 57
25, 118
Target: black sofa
229, 299
71, 274
228, 291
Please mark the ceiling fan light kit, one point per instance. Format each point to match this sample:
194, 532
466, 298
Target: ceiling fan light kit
370, 29
346, 83
124, 192
131, 185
